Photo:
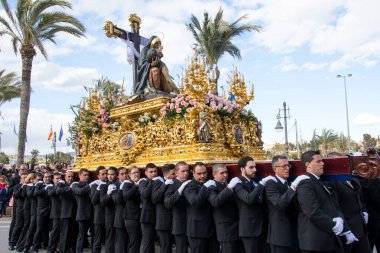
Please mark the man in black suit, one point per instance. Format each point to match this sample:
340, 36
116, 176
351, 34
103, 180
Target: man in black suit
68, 230
118, 224
43, 211
148, 211
33, 212
81, 192
373, 206
225, 211
249, 196
281, 202
55, 213
175, 201
200, 225
29, 180
349, 197
320, 223
99, 210
132, 210
163, 215
109, 205
18, 200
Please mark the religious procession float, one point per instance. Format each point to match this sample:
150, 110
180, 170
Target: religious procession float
161, 123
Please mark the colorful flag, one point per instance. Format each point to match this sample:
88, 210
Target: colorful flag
50, 133
60, 134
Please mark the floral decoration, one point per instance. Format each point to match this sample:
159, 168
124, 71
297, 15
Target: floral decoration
222, 106
178, 106
146, 118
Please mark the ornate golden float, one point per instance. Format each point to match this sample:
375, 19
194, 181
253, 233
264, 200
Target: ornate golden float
195, 125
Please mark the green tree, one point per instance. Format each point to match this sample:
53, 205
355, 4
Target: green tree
341, 144
4, 158
215, 37
369, 141
60, 157
10, 86
34, 154
326, 140
29, 26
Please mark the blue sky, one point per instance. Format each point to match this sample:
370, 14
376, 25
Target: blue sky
295, 58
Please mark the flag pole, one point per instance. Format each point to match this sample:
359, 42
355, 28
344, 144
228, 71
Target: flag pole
54, 143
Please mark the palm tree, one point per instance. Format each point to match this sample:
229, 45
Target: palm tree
326, 139
10, 87
341, 143
215, 37
29, 26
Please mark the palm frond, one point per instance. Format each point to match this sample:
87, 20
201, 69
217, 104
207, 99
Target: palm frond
214, 35
22, 9
7, 25
51, 33
10, 86
37, 41
50, 19
40, 6
8, 11
15, 42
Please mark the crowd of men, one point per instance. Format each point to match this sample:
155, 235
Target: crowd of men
121, 211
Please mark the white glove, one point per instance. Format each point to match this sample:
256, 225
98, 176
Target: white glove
71, 186
100, 183
365, 214
266, 179
182, 187
111, 188
169, 181
125, 182
298, 180
159, 178
234, 182
338, 228
31, 184
350, 237
210, 183
48, 186
141, 179
95, 182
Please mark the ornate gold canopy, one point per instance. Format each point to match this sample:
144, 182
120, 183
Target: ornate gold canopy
197, 125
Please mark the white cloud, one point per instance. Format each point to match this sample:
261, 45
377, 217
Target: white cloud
370, 63
292, 24
39, 122
366, 119
348, 31
286, 65
313, 66
51, 76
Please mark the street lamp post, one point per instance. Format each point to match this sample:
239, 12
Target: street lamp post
348, 123
279, 127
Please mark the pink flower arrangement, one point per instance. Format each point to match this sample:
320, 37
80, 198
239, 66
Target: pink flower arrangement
178, 106
222, 106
